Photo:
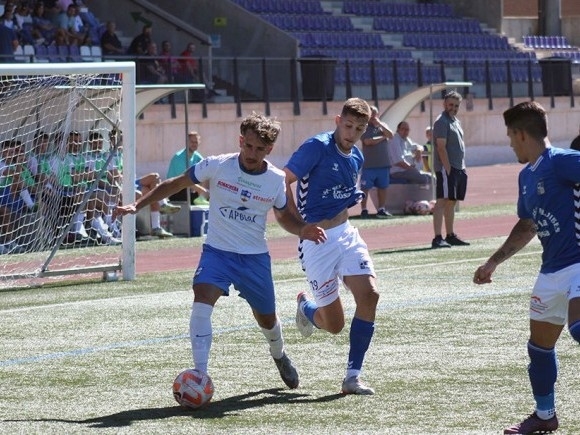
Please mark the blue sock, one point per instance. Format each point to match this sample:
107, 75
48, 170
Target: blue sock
361, 333
309, 308
543, 372
574, 329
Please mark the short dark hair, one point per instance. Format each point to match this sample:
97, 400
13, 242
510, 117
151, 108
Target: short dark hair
357, 107
452, 95
528, 116
266, 128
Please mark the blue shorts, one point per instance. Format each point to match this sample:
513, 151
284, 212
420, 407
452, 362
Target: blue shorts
250, 274
375, 177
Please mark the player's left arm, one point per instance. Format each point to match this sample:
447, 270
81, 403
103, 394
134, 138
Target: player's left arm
521, 234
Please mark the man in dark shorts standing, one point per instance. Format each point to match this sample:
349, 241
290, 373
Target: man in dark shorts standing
449, 166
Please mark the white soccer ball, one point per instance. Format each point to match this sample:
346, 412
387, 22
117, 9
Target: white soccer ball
409, 207
422, 207
193, 388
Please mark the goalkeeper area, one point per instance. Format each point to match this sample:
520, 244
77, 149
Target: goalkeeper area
66, 144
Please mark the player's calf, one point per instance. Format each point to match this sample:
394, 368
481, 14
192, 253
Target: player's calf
574, 329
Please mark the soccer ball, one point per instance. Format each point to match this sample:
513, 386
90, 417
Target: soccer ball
192, 388
422, 207
409, 207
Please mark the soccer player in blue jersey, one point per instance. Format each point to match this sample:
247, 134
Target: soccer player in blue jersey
244, 188
549, 185
326, 168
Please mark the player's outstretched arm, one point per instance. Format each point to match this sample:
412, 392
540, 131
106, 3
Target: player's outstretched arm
521, 234
296, 225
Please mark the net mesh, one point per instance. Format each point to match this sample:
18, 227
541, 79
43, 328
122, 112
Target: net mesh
60, 175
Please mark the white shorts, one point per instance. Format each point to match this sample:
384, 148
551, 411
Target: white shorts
343, 254
551, 293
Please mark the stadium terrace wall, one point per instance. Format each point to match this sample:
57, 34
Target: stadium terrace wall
159, 135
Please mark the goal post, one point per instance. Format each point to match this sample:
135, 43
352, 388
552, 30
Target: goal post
67, 158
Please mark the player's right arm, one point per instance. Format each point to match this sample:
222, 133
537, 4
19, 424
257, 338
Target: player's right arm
521, 234
162, 190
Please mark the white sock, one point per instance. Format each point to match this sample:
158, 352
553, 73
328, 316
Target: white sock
275, 340
155, 219
78, 222
200, 334
25, 195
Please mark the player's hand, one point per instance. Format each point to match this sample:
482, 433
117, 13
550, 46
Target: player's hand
313, 233
122, 210
483, 274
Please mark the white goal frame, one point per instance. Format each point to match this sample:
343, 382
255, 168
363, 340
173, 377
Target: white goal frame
126, 72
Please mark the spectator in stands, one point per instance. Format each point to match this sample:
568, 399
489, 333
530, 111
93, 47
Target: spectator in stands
183, 159
110, 42
575, 145
375, 171
73, 179
449, 165
60, 38
168, 61
17, 193
70, 21
140, 43
43, 28
188, 65
143, 185
189, 72
152, 72
7, 19
406, 158
24, 24
8, 44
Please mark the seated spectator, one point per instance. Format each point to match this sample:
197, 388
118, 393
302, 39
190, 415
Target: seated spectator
60, 38
406, 158
17, 193
152, 72
43, 28
144, 185
72, 24
168, 62
110, 42
8, 44
187, 71
140, 43
180, 162
24, 24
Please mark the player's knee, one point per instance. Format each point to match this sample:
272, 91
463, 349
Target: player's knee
574, 329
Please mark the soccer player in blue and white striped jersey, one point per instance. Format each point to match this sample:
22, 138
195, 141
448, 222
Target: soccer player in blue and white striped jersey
326, 168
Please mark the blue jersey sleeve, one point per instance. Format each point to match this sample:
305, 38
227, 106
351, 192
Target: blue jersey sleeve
306, 157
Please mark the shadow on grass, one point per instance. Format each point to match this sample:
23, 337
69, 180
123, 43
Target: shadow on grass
218, 409
403, 250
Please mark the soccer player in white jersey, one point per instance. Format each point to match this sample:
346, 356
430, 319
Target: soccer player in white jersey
244, 188
326, 168
549, 186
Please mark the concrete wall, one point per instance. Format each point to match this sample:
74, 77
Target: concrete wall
159, 137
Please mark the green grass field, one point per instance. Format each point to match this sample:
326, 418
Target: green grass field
448, 357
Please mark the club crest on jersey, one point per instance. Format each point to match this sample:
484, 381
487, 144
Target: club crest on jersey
335, 167
540, 188
246, 195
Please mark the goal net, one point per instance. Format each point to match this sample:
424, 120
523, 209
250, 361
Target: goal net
66, 160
